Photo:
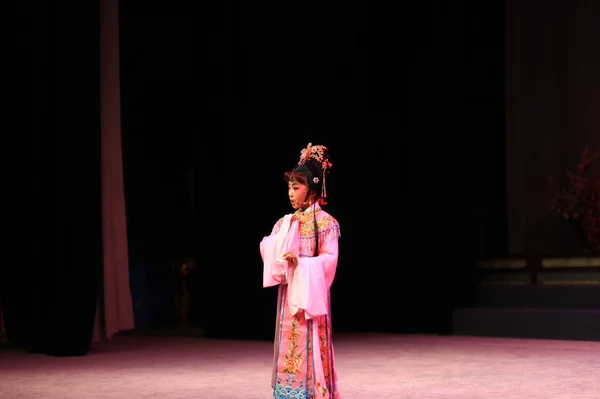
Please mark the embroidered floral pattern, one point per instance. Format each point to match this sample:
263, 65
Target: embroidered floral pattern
293, 359
323, 340
295, 374
326, 224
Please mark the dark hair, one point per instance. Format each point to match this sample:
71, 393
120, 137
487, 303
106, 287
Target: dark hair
300, 177
310, 171
306, 174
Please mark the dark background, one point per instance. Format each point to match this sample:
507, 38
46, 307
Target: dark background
443, 120
218, 102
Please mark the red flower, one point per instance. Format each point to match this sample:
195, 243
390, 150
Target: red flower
579, 200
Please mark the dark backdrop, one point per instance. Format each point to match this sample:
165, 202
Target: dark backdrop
49, 287
553, 97
433, 166
217, 101
408, 98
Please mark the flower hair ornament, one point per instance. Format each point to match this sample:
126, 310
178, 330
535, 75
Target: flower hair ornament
314, 161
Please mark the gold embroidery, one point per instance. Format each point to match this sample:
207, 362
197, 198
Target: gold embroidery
293, 360
305, 216
323, 335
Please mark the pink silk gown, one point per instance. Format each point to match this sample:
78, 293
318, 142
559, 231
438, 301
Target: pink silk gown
304, 360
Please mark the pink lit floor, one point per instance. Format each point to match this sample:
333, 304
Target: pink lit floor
370, 366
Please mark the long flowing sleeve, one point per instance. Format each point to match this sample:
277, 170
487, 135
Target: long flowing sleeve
312, 278
284, 238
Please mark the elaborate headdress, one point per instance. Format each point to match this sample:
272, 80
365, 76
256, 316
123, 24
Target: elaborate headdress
315, 165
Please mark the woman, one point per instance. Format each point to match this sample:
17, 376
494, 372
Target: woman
300, 256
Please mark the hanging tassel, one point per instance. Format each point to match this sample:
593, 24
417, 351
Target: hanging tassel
323, 199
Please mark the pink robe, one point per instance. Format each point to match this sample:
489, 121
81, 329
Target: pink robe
304, 361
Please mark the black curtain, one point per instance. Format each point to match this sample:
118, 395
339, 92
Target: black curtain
401, 94
49, 293
408, 98
553, 98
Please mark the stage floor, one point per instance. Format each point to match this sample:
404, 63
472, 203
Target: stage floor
370, 366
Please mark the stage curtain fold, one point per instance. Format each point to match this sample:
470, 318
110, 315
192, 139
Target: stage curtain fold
115, 309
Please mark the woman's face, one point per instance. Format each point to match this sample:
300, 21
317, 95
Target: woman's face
298, 194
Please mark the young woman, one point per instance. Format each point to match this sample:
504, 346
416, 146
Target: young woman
300, 256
